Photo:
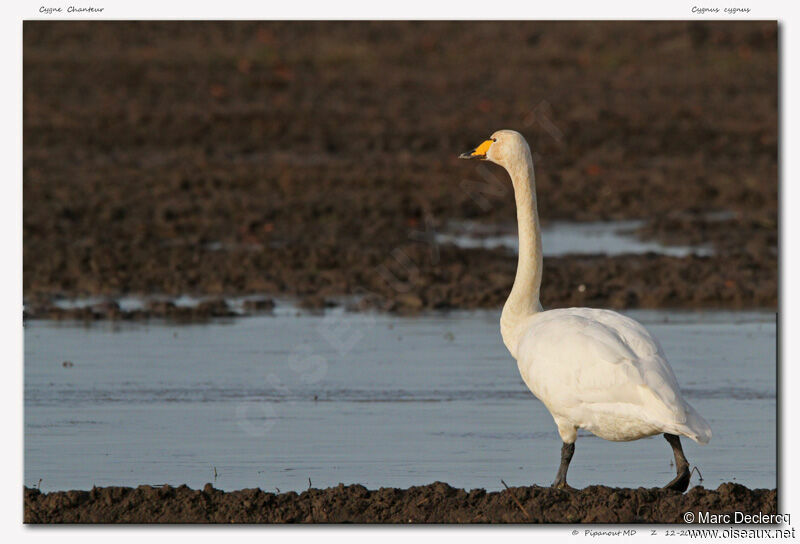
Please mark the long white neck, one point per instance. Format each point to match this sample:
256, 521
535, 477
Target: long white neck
524, 298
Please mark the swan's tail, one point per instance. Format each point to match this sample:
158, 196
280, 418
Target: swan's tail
695, 427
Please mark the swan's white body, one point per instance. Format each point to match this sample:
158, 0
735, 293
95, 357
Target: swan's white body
603, 372
593, 369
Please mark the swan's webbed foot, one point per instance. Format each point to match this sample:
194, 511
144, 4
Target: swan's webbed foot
563, 486
681, 482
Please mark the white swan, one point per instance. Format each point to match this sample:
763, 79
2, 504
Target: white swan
593, 369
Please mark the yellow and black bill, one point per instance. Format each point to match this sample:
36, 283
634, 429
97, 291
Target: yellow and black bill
479, 152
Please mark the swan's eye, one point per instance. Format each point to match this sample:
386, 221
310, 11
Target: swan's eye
494, 139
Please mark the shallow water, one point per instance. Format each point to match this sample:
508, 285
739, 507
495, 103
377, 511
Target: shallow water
565, 238
272, 401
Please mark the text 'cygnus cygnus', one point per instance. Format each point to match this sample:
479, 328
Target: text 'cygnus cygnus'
593, 369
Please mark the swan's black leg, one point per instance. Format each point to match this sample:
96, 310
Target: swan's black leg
681, 481
566, 456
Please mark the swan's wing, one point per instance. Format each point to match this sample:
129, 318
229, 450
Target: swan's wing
595, 357
657, 375
650, 361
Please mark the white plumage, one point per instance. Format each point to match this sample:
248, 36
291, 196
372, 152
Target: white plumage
603, 372
593, 369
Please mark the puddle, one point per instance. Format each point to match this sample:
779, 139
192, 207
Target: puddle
564, 238
363, 398
283, 306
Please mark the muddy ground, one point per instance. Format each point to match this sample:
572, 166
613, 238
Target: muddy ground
434, 503
305, 159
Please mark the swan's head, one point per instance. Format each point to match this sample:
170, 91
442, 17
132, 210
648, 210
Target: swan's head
504, 147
